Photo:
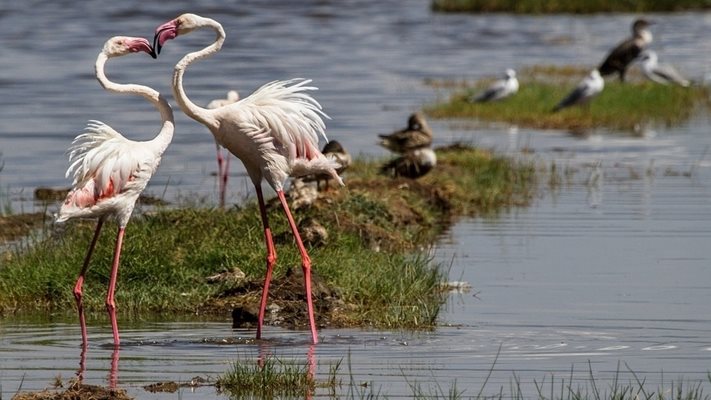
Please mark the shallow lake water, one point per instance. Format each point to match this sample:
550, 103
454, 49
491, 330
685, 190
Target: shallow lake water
609, 269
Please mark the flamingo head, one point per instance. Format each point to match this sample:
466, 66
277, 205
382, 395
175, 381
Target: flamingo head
122, 45
185, 23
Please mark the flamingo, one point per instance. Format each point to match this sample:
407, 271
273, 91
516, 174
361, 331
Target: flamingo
274, 132
223, 162
110, 171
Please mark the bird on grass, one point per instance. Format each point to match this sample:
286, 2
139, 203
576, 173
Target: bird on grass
333, 150
417, 134
588, 88
413, 164
274, 132
498, 90
223, 161
660, 73
110, 171
622, 55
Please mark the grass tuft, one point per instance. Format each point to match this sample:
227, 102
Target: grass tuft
273, 377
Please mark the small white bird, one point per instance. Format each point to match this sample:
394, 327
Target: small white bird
660, 73
588, 88
223, 161
500, 89
232, 97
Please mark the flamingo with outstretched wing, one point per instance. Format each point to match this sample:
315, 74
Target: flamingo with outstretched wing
274, 132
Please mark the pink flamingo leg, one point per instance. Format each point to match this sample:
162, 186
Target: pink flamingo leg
78, 293
271, 260
225, 173
110, 302
220, 162
223, 165
305, 265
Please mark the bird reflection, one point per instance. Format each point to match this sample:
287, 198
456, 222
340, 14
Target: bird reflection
113, 370
82, 362
265, 352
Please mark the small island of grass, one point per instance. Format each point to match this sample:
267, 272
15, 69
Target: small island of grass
621, 106
369, 271
573, 7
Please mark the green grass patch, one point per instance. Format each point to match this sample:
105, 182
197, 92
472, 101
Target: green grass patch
273, 377
561, 6
620, 106
371, 262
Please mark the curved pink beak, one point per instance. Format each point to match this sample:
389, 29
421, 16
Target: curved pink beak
142, 44
165, 32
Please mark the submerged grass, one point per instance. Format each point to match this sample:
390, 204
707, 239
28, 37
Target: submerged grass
620, 106
562, 6
373, 260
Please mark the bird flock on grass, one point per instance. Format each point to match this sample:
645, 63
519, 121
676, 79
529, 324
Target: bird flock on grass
618, 60
275, 132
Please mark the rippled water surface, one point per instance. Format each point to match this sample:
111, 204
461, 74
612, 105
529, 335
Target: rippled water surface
609, 267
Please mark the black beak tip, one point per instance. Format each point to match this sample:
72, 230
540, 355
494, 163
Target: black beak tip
153, 54
156, 45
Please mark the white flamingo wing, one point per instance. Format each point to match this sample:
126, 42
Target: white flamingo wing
105, 164
292, 116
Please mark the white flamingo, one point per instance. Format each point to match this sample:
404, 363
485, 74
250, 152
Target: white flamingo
274, 132
223, 162
110, 171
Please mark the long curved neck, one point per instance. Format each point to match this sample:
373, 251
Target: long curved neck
194, 111
164, 137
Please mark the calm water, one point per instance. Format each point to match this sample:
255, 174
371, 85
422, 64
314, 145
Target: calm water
612, 267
